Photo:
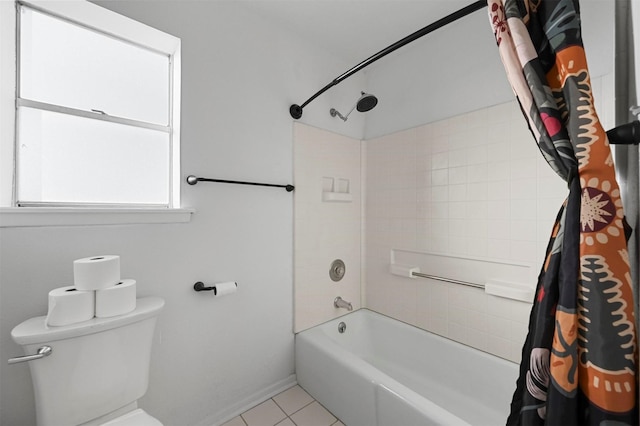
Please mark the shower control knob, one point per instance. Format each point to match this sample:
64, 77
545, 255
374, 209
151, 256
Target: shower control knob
337, 270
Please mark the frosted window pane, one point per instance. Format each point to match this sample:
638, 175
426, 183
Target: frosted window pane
69, 159
65, 64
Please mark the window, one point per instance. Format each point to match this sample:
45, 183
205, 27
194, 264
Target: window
97, 109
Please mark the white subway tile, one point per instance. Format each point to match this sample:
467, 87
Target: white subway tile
498, 190
525, 209
518, 331
457, 158
457, 210
500, 346
498, 209
477, 191
439, 210
477, 118
523, 168
423, 179
501, 307
479, 340
457, 314
516, 352
521, 311
498, 152
498, 248
440, 227
457, 332
552, 187
478, 209
523, 188
440, 177
523, 144
498, 170
458, 192
440, 160
477, 247
439, 326
439, 193
478, 321
457, 175
458, 245
523, 251
439, 143
478, 155
440, 243
478, 228
498, 326
458, 228
477, 172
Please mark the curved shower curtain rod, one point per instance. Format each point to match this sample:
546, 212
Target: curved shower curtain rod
296, 110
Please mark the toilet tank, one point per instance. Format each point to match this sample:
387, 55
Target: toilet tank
96, 366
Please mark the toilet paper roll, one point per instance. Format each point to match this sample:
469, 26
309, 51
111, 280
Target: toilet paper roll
117, 300
96, 273
68, 305
225, 288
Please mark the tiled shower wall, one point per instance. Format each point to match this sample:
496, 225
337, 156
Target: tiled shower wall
472, 186
327, 227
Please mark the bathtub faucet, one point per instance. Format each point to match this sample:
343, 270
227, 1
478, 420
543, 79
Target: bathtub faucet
338, 302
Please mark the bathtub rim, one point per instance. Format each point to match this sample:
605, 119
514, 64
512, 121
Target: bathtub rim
367, 311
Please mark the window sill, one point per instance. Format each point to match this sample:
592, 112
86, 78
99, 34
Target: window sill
18, 217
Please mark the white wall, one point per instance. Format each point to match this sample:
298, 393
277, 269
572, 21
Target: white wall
211, 356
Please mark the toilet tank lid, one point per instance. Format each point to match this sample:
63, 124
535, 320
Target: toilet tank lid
35, 330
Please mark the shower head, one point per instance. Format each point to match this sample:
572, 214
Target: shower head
366, 103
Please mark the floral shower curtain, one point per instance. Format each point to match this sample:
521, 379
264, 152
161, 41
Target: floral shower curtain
579, 358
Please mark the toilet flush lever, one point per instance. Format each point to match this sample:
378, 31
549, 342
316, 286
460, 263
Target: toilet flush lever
42, 352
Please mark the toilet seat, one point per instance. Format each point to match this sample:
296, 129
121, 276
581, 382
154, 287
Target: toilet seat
137, 417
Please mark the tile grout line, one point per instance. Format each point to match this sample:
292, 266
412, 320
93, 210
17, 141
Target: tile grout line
315, 400
289, 415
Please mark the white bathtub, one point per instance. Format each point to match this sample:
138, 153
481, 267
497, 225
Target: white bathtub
384, 372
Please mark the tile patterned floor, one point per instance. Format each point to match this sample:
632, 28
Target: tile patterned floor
293, 407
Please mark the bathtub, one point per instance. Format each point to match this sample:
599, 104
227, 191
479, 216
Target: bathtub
384, 372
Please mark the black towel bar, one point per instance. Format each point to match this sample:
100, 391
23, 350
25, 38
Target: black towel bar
192, 180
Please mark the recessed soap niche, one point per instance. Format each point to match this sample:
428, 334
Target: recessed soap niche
336, 189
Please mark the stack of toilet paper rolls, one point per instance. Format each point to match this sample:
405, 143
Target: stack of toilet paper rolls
98, 291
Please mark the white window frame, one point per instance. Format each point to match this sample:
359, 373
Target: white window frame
105, 21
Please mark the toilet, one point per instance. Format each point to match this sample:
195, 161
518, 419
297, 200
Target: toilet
97, 369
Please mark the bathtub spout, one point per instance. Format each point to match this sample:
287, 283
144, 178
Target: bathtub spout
338, 302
